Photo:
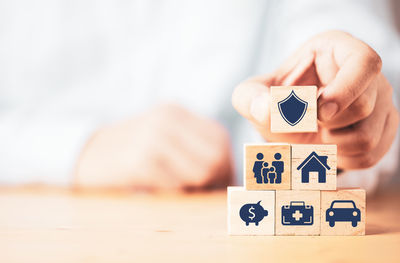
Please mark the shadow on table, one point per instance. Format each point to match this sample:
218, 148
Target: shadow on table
379, 230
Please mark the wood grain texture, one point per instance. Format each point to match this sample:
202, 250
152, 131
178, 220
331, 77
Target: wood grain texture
56, 225
308, 123
268, 150
238, 197
343, 228
299, 154
310, 198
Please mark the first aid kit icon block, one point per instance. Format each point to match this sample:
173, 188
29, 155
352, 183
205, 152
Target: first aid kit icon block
297, 213
343, 212
251, 212
293, 109
314, 166
267, 166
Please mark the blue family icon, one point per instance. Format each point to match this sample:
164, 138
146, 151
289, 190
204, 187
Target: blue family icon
297, 214
252, 213
343, 211
314, 163
292, 109
268, 174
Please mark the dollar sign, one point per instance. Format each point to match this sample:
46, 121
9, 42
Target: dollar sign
251, 211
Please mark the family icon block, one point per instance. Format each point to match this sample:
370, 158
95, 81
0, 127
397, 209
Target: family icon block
267, 166
265, 174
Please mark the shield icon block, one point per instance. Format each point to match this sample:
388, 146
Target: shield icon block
292, 109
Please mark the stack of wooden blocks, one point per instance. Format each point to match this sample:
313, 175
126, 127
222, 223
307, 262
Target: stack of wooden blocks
291, 189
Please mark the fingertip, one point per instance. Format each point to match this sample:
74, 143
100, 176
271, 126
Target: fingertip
243, 96
259, 108
327, 111
251, 99
238, 101
329, 105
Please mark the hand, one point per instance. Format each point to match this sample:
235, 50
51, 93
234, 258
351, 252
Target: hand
355, 108
166, 148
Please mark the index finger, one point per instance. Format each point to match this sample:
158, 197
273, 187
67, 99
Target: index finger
356, 71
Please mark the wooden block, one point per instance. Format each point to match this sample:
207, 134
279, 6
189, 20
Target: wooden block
343, 212
267, 166
314, 166
297, 213
294, 109
251, 212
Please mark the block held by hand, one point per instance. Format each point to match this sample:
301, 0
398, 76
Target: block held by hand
293, 109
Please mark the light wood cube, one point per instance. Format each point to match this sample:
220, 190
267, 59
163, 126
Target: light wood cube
297, 213
314, 166
343, 212
293, 109
251, 212
267, 166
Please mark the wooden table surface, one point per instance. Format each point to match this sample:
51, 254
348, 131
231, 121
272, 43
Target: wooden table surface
47, 225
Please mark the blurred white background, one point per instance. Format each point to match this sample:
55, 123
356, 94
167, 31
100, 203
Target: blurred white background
68, 67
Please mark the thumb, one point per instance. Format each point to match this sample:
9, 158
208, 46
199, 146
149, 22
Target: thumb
251, 99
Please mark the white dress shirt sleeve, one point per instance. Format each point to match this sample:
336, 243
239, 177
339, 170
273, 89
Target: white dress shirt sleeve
40, 148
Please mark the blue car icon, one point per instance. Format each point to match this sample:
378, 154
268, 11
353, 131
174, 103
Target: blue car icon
343, 211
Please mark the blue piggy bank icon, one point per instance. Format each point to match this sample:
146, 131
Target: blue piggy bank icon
252, 213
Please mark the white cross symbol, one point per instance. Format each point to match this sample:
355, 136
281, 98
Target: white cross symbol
297, 215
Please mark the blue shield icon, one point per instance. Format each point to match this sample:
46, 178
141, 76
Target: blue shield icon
292, 109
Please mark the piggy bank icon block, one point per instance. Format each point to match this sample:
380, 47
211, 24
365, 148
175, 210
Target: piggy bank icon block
252, 213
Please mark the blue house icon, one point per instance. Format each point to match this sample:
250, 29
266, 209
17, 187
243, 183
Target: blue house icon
314, 163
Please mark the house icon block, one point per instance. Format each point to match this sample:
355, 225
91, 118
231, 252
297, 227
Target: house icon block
314, 163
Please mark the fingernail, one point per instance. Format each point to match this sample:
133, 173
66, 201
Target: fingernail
259, 108
328, 110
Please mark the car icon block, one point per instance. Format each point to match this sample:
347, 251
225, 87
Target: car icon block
343, 211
